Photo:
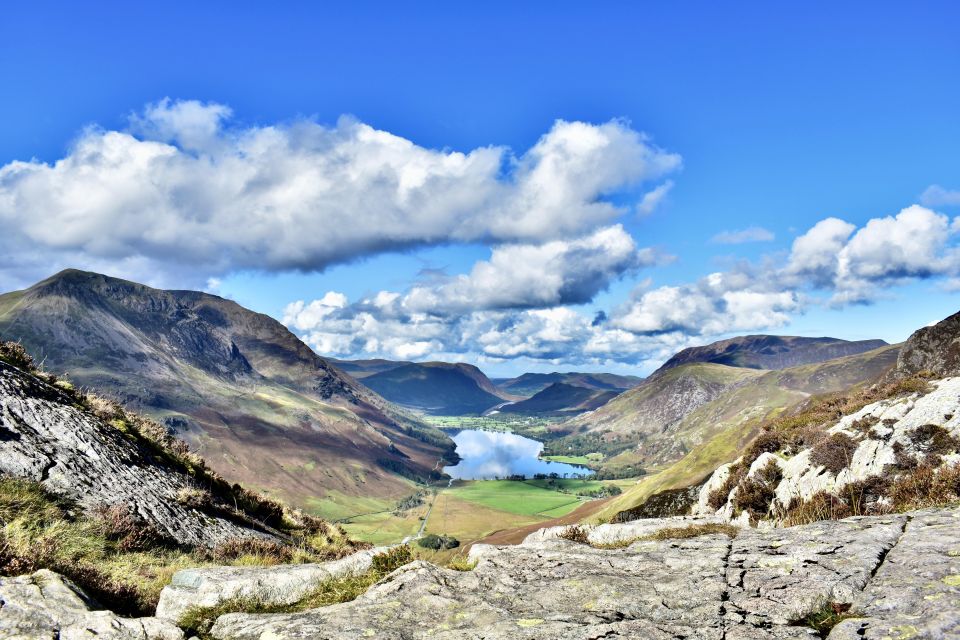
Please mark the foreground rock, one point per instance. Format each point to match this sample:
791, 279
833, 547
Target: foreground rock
899, 574
46, 605
44, 438
276, 585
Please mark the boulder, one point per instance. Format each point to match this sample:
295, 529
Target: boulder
276, 585
897, 572
47, 605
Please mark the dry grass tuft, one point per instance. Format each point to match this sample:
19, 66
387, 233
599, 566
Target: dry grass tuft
575, 533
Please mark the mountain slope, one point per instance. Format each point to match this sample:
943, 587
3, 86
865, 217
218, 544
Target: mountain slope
360, 369
258, 403
561, 398
440, 388
771, 352
716, 432
529, 384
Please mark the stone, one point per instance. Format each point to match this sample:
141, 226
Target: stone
278, 585
44, 438
46, 605
894, 572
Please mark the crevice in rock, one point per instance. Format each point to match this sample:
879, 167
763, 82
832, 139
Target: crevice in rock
885, 552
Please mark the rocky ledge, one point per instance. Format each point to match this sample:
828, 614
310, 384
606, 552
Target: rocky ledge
893, 577
889, 577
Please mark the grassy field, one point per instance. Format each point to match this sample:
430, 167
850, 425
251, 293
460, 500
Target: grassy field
515, 497
470, 510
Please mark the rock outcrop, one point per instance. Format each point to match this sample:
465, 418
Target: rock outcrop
45, 438
880, 435
897, 576
276, 585
935, 349
46, 605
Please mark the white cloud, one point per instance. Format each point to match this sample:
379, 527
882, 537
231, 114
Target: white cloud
937, 196
182, 191
750, 234
652, 199
891, 250
814, 255
536, 276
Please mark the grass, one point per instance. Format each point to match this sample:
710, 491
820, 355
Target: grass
521, 498
198, 621
122, 563
826, 618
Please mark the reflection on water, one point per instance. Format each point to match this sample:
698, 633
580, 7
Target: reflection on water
489, 454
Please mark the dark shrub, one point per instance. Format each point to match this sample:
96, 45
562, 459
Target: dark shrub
390, 561
932, 439
433, 541
834, 452
755, 494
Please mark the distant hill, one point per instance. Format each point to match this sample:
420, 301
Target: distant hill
771, 352
360, 369
253, 399
561, 398
529, 384
439, 388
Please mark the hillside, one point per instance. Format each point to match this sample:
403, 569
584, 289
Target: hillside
771, 352
561, 398
717, 432
360, 369
439, 388
111, 500
675, 412
242, 390
530, 384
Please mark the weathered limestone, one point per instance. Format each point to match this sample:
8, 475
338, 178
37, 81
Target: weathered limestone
73, 454
281, 584
47, 606
615, 533
894, 420
915, 593
897, 572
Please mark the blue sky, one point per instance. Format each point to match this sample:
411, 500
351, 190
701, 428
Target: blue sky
784, 115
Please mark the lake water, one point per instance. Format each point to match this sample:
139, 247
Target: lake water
486, 455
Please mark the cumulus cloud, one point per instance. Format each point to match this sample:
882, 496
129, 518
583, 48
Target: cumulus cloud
750, 234
535, 276
652, 199
937, 196
510, 306
183, 190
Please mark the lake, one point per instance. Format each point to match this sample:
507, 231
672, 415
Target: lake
486, 455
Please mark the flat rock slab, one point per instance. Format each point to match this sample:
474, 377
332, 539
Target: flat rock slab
900, 573
916, 591
281, 584
47, 606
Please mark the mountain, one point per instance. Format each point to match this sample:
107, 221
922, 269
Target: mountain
253, 399
718, 431
676, 410
439, 388
561, 398
360, 369
529, 384
771, 352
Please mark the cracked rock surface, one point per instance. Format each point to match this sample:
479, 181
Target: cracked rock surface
73, 454
45, 605
900, 575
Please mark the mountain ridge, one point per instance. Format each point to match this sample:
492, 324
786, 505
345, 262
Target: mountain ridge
237, 385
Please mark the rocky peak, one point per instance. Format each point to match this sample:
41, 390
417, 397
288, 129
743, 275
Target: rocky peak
935, 349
